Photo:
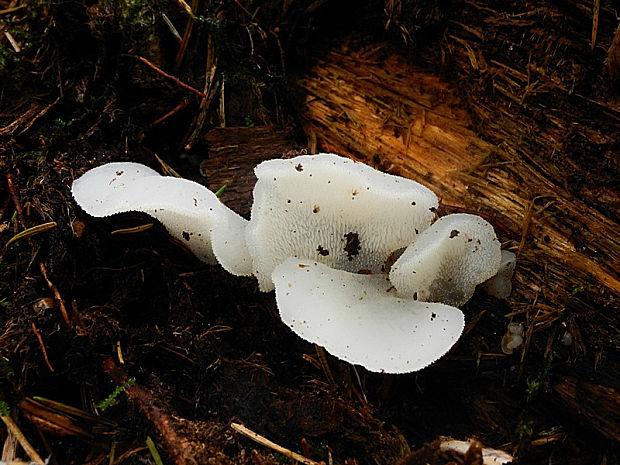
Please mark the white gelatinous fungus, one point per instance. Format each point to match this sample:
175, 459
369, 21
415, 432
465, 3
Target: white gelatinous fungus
333, 210
567, 338
358, 318
513, 338
448, 260
100, 190
500, 285
189, 211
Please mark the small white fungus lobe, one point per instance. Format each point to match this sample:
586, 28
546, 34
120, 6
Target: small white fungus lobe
500, 285
358, 318
448, 260
102, 191
333, 210
513, 338
461, 448
189, 211
567, 338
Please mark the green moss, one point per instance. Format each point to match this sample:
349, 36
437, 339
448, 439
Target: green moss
281, 458
525, 429
6, 372
211, 21
4, 409
62, 124
111, 399
538, 383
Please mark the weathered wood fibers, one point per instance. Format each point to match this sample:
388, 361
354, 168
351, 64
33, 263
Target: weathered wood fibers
376, 107
233, 152
600, 405
536, 84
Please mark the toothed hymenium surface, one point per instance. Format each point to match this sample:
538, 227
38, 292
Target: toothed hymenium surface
333, 210
358, 318
317, 222
448, 260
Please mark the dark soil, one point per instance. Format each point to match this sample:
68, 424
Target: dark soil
203, 347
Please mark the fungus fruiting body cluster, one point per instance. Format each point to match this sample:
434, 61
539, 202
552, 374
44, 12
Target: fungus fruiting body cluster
356, 261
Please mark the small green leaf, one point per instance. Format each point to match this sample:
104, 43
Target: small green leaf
4, 409
151, 445
221, 190
31, 232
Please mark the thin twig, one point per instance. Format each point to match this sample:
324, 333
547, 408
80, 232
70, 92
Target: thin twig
175, 444
272, 445
30, 113
186, 7
11, 10
38, 335
189, 26
169, 76
175, 110
12, 41
56, 292
209, 90
244, 9
14, 429
135, 229
595, 16
222, 105
320, 352
37, 116
166, 168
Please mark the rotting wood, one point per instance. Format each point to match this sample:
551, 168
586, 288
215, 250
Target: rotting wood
613, 58
233, 152
597, 405
407, 121
551, 103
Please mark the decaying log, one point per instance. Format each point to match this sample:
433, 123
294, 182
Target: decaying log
613, 57
374, 106
233, 152
598, 405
